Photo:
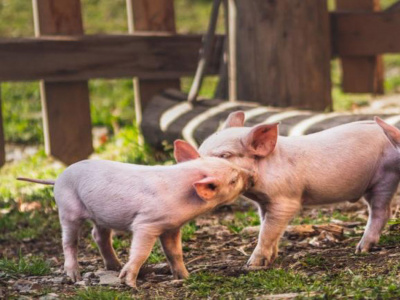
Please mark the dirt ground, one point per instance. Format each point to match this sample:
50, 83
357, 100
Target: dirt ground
307, 249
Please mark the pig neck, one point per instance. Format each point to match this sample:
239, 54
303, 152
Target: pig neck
275, 171
182, 178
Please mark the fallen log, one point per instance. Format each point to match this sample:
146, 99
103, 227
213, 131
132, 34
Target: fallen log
169, 116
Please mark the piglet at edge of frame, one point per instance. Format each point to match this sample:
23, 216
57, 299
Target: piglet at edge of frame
339, 164
151, 201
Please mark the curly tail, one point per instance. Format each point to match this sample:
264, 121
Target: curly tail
49, 182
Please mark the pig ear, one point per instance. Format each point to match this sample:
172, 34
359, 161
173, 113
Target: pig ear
183, 151
261, 140
392, 132
235, 119
206, 188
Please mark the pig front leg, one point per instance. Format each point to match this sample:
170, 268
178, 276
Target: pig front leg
142, 244
172, 245
103, 239
274, 217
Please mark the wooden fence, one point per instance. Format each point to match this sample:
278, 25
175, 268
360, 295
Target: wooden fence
64, 59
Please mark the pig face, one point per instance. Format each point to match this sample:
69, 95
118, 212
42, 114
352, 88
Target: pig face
223, 181
241, 145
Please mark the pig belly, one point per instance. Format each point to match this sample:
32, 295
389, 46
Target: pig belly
333, 189
111, 210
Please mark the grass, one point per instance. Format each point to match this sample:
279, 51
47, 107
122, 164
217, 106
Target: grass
322, 218
390, 239
313, 260
242, 220
23, 265
188, 231
100, 293
275, 281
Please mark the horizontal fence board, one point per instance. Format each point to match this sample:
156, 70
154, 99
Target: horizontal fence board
365, 33
72, 58
160, 56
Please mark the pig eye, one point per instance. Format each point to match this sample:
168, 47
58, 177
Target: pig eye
225, 155
233, 181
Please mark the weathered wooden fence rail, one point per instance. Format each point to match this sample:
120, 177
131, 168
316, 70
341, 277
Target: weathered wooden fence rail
162, 55
70, 58
63, 58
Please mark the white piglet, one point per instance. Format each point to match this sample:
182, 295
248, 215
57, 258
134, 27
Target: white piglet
343, 163
151, 201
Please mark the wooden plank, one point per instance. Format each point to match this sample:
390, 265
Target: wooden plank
283, 52
145, 15
147, 55
361, 74
66, 107
2, 140
358, 34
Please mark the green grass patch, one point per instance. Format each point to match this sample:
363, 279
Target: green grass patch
156, 255
242, 220
101, 293
390, 239
30, 266
314, 260
321, 218
188, 230
275, 281
25, 226
121, 243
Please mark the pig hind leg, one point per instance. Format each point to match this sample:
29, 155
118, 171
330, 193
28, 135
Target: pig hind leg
379, 200
72, 214
103, 239
70, 233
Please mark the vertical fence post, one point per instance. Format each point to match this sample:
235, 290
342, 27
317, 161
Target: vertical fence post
2, 141
284, 52
147, 15
361, 74
66, 107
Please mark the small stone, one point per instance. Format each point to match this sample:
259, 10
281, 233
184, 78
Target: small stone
52, 261
90, 268
173, 283
108, 278
160, 268
299, 255
88, 275
60, 280
24, 298
24, 286
146, 285
50, 296
80, 283
251, 230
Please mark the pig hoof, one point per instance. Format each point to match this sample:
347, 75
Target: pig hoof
181, 275
74, 275
114, 266
363, 248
